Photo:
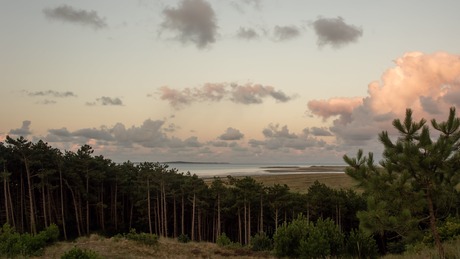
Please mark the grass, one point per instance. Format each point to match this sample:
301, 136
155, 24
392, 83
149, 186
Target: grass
451, 249
300, 182
119, 248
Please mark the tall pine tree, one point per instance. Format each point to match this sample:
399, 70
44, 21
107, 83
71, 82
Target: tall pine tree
415, 174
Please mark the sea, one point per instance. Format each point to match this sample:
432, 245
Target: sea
206, 170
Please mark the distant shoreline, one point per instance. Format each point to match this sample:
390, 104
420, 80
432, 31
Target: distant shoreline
199, 163
299, 169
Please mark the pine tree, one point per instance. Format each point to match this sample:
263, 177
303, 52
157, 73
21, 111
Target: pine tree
415, 174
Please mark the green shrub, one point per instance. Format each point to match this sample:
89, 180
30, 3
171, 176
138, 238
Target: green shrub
51, 234
261, 242
223, 240
332, 235
303, 239
183, 238
315, 245
78, 253
10, 241
361, 245
144, 238
287, 238
13, 244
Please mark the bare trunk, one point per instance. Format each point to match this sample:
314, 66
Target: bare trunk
160, 224
80, 212
183, 216
245, 223
249, 223
148, 206
115, 205
62, 204
218, 215
434, 229
45, 217
193, 217
261, 214
87, 202
240, 233
11, 205
199, 225
175, 216
276, 219
131, 215
102, 208
165, 219
5, 184
75, 207
33, 228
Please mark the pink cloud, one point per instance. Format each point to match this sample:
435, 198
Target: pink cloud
416, 78
334, 106
426, 83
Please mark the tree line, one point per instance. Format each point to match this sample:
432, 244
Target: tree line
82, 193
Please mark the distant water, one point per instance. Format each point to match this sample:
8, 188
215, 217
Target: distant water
224, 169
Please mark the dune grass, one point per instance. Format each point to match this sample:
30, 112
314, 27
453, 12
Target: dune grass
300, 182
120, 248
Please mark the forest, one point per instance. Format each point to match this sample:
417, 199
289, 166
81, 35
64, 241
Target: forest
411, 197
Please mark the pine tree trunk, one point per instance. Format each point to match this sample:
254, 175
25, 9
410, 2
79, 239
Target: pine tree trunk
218, 216
62, 204
33, 227
245, 223
193, 218
11, 206
276, 218
87, 202
261, 214
175, 216
199, 225
75, 207
22, 204
159, 215
165, 217
183, 216
115, 204
102, 208
5, 184
240, 232
434, 229
148, 206
80, 212
249, 224
45, 217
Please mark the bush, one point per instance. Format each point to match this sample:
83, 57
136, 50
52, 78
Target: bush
303, 239
10, 241
223, 240
78, 253
145, 238
183, 238
13, 243
261, 242
361, 245
287, 238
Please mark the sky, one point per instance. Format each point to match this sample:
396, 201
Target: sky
239, 81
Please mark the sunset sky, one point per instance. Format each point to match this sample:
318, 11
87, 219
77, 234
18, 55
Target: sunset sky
241, 81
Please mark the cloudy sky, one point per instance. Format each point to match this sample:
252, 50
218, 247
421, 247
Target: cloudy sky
279, 81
